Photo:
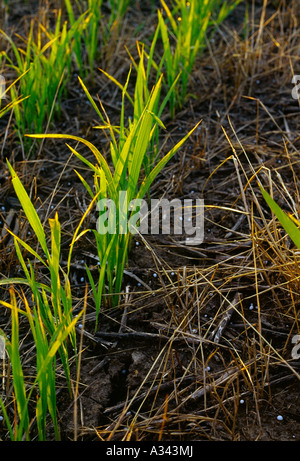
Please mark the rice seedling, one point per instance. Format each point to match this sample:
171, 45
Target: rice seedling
51, 318
288, 222
61, 297
42, 390
189, 22
89, 34
45, 69
121, 188
118, 10
142, 93
19, 385
88, 39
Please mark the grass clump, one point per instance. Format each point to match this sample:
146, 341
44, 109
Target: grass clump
96, 30
33, 401
121, 184
51, 322
45, 64
191, 23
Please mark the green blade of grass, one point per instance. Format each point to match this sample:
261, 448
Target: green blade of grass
156, 170
18, 376
118, 84
286, 222
22, 281
29, 210
99, 157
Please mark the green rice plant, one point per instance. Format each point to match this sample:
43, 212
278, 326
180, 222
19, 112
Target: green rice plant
118, 10
22, 429
39, 397
55, 309
289, 223
142, 94
51, 318
96, 29
119, 186
45, 70
188, 22
87, 38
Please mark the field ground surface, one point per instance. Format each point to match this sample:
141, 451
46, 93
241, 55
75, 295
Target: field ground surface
200, 345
